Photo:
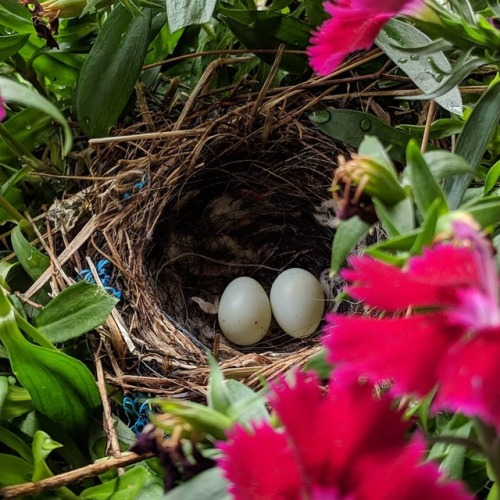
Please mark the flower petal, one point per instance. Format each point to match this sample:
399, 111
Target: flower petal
346, 32
260, 465
405, 350
469, 380
431, 279
3, 112
401, 474
329, 431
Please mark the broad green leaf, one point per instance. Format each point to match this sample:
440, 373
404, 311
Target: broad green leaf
473, 140
15, 17
351, 127
492, 177
347, 235
320, 365
61, 387
486, 211
127, 487
427, 72
315, 12
111, 70
75, 311
444, 127
425, 189
396, 219
443, 164
401, 243
15, 198
268, 30
15, 470
10, 44
21, 94
4, 391
246, 405
182, 13
208, 484
32, 260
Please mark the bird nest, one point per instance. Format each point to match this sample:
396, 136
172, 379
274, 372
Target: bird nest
237, 184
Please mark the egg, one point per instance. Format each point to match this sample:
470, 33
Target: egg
244, 311
297, 302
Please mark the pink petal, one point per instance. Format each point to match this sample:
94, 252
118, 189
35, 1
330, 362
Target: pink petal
260, 465
469, 378
346, 32
431, 279
401, 474
3, 112
329, 431
406, 350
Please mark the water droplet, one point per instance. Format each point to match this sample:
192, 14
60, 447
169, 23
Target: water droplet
402, 60
365, 125
320, 117
438, 77
414, 57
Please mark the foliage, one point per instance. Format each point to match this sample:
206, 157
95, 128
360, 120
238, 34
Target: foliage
71, 70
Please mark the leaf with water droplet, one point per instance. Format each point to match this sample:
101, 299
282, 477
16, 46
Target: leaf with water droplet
427, 73
32, 260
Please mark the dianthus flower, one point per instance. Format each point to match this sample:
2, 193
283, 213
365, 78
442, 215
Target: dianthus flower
341, 444
354, 25
449, 336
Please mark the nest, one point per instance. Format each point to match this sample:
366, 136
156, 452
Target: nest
237, 184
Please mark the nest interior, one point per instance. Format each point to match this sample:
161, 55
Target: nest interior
236, 185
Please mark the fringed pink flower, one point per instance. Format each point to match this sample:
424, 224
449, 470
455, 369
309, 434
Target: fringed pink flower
342, 444
449, 336
354, 25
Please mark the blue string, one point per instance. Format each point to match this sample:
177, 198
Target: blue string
137, 185
104, 275
137, 413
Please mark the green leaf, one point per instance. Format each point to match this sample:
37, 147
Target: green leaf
111, 70
21, 94
268, 30
246, 405
351, 127
315, 12
32, 260
182, 13
127, 487
443, 164
10, 44
492, 177
425, 189
62, 388
427, 72
16, 403
396, 219
202, 419
320, 365
15, 443
472, 142
428, 228
347, 235
486, 211
15, 470
208, 484
218, 396
75, 311
42, 446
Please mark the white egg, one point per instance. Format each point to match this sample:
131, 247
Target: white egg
244, 311
297, 302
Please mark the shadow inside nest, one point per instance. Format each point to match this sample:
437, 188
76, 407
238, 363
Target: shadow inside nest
242, 217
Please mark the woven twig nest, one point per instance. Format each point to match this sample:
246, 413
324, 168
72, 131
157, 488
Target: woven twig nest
236, 185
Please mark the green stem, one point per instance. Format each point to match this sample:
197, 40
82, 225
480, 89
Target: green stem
10, 209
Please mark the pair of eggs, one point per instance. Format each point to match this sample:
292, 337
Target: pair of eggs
296, 301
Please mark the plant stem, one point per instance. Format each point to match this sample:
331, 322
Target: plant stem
10, 209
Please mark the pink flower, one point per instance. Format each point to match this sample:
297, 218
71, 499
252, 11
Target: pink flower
451, 339
338, 445
3, 112
354, 25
